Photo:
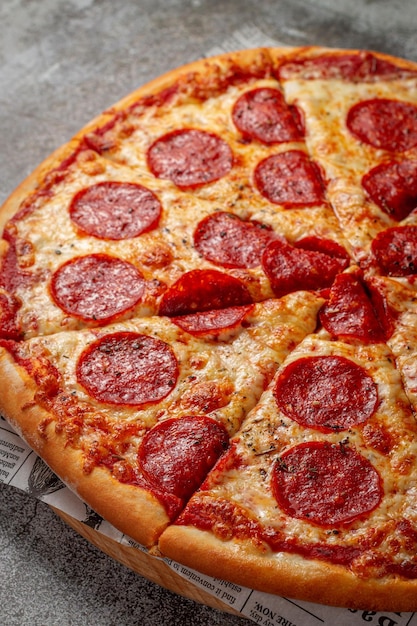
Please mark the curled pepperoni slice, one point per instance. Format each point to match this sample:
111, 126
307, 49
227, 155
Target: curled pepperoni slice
264, 115
127, 368
227, 240
326, 484
289, 179
385, 124
203, 290
177, 453
190, 157
350, 312
291, 269
326, 393
114, 210
326, 246
393, 187
97, 287
213, 322
395, 251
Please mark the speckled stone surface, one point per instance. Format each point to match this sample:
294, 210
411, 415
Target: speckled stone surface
61, 63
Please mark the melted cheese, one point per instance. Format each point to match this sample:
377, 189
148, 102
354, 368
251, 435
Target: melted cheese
165, 253
227, 376
344, 159
222, 378
234, 192
267, 432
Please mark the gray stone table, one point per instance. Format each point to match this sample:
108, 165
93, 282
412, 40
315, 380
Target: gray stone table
61, 63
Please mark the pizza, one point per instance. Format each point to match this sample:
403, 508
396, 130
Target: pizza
208, 313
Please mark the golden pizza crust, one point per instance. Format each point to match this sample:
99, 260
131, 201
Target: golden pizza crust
133, 510
285, 574
271, 331
211, 73
188, 75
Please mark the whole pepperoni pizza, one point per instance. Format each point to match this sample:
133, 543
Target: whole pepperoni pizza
208, 320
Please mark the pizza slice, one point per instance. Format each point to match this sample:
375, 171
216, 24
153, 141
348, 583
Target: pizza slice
314, 498
366, 142
132, 416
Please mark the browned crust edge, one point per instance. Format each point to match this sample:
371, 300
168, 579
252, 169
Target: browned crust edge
134, 511
222, 64
285, 574
200, 67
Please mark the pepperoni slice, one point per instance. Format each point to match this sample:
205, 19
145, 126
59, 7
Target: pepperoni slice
190, 157
393, 187
213, 322
227, 240
177, 453
291, 269
326, 484
326, 393
289, 179
385, 124
350, 312
395, 251
264, 115
326, 246
203, 290
97, 287
114, 210
127, 368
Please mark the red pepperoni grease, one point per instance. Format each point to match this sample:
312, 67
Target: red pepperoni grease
327, 393
393, 187
9, 326
97, 287
128, 368
385, 124
190, 157
326, 484
177, 453
264, 115
203, 290
12, 275
289, 179
115, 210
238, 523
229, 241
